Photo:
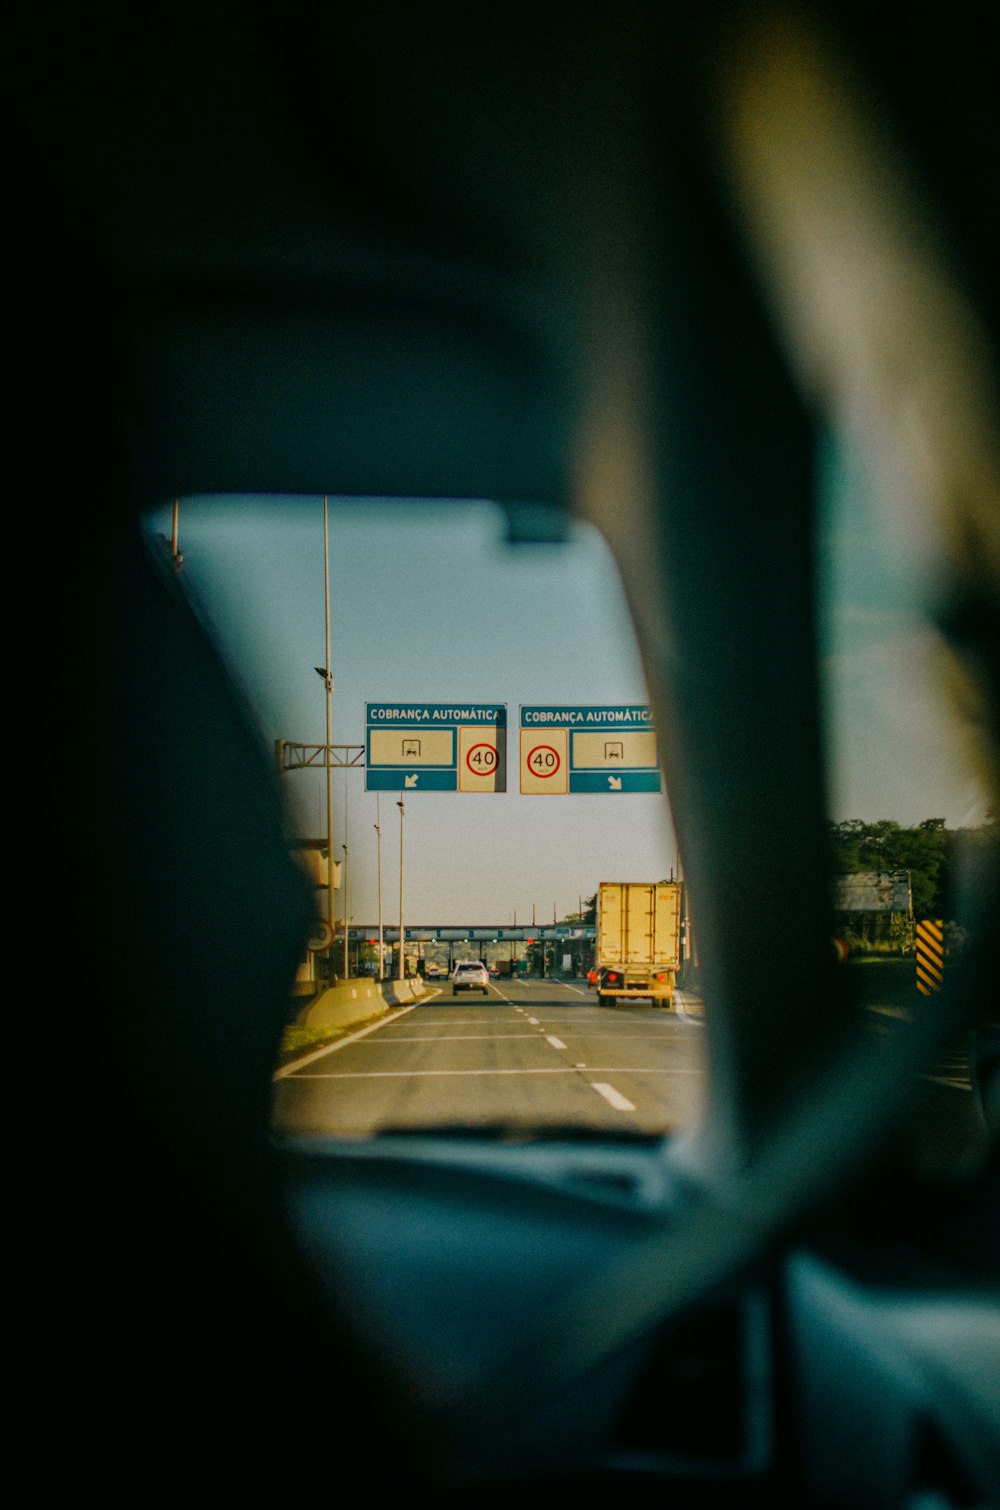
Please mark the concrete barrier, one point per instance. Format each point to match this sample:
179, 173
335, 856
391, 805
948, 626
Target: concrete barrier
356, 1001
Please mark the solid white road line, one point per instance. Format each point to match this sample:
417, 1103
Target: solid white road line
331, 1048
428, 1074
595, 1069
684, 1014
455, 1038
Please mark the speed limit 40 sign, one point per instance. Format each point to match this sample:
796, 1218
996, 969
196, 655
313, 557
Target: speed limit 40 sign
482, 758
545, 761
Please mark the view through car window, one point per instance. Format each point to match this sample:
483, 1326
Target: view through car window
463, 725
909, 809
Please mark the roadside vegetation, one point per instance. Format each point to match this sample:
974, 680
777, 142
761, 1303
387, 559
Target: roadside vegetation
297, 1040
931, 853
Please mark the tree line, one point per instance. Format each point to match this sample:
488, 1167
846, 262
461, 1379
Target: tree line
930, 851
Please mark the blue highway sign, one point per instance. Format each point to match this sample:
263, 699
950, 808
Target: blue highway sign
608, 749
435, 747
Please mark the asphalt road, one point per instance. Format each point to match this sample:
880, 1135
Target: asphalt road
535, 1053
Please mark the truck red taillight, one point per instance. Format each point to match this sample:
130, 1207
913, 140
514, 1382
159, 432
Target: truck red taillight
611, 975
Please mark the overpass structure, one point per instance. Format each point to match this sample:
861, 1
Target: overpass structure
529, 946
451, 933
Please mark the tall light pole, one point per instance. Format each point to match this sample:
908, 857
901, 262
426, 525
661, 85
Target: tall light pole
347, 920
347, 909
401, 967
378, 848
326, 674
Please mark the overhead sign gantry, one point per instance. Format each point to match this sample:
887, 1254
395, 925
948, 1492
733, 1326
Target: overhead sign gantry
436, 747
588, 749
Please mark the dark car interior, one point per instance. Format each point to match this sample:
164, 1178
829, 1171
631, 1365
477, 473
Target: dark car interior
625, 264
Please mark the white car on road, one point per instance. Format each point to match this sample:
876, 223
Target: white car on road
470, 975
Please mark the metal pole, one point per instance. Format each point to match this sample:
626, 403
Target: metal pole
347, 908
401, 967
378, 848
328, 681
347, 920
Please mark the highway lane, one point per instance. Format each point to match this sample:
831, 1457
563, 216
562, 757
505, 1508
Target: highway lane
536, 1053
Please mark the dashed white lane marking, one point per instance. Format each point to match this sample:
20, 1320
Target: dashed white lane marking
556, 1043
568, 987
613, 1098
533, 1021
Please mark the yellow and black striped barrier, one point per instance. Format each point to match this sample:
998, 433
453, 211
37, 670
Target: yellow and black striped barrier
930, 956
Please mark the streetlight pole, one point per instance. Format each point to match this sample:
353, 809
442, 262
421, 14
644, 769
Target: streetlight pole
378, 848
324, 671
401, 967
347, 909
347, 920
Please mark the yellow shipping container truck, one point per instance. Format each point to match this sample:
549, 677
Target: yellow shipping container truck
638, 941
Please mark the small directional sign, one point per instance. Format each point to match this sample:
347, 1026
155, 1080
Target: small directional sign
436, 747
320, 936
580, 749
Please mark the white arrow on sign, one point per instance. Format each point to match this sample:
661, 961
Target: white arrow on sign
412, 780
615, 783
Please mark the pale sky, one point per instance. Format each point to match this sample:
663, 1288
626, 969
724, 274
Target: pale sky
901, 751
429, 604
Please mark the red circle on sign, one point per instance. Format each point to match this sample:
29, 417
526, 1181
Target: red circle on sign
493, 751
543, 775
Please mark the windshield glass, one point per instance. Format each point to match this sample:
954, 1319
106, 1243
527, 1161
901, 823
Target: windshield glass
464, 726
910, 816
